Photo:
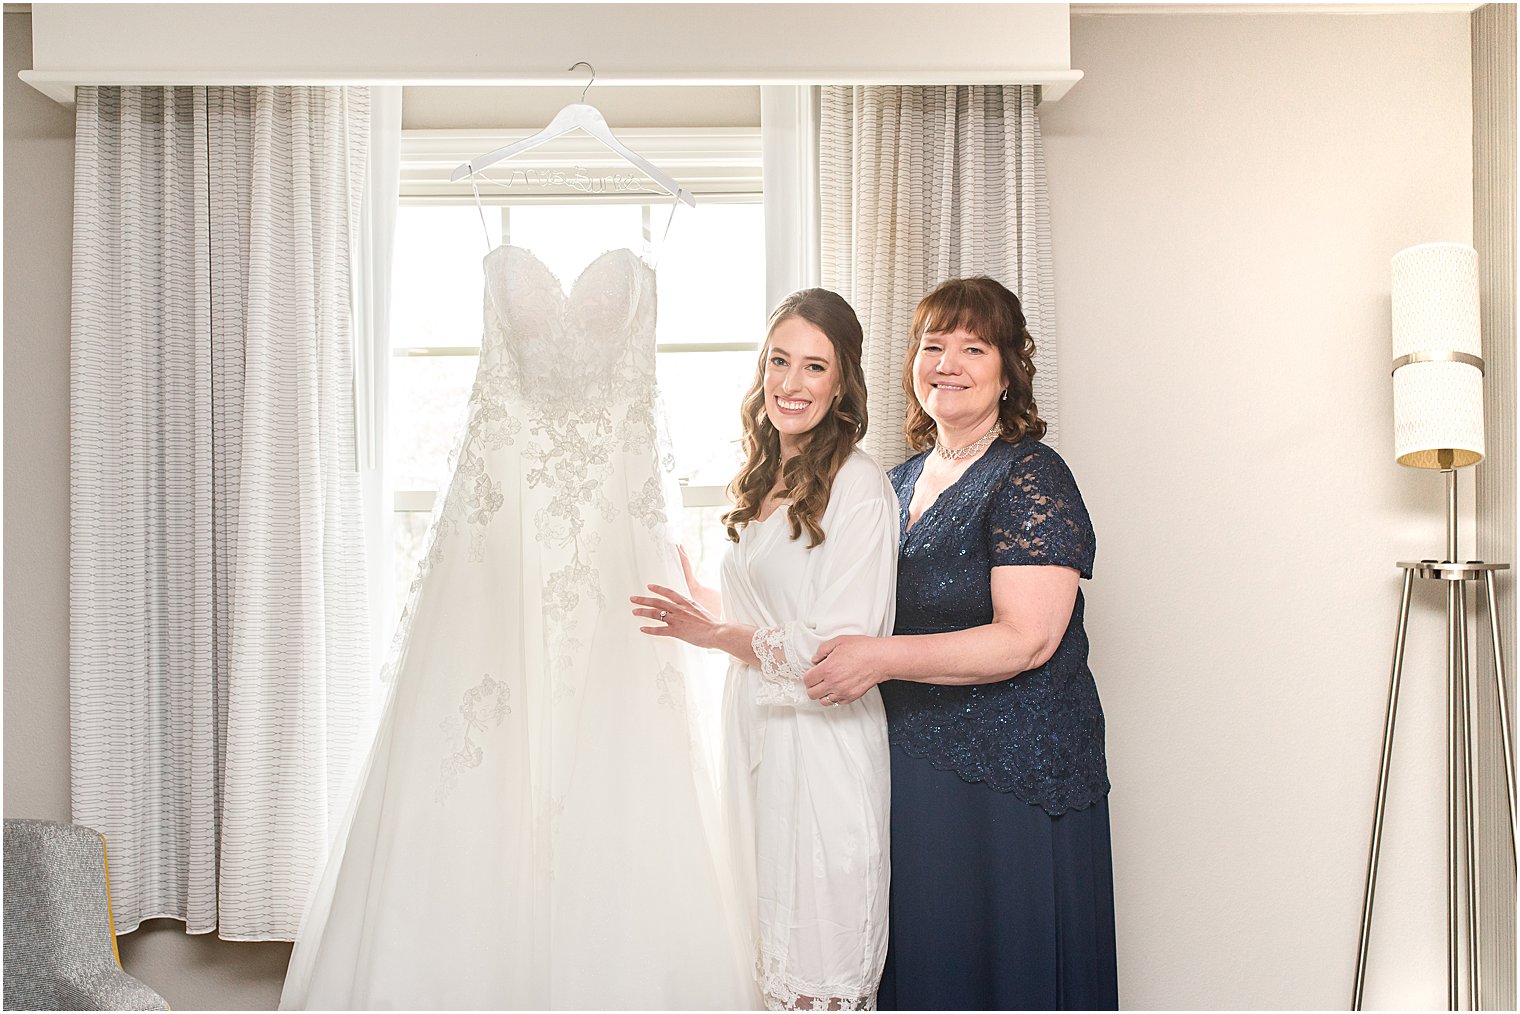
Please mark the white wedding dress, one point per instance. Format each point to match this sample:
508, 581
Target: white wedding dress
537, 825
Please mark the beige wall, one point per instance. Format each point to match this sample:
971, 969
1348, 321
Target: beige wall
1226, 191
39, 206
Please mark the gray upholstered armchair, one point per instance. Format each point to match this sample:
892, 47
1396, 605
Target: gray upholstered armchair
60, 945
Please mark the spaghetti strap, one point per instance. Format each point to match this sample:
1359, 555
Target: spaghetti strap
485, 229
656, 250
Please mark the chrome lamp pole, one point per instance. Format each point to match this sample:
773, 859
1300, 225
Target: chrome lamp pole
1438, 422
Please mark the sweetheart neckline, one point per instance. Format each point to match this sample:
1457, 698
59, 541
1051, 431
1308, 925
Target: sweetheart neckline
566, 293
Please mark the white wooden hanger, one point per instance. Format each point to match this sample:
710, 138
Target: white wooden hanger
577, 116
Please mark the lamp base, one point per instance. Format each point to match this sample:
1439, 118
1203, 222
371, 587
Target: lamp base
1461, 746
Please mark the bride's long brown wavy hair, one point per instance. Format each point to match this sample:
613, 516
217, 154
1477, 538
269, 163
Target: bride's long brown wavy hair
809, 475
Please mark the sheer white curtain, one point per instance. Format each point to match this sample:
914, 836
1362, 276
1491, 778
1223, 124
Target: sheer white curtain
921, 184
219, 652
372, 263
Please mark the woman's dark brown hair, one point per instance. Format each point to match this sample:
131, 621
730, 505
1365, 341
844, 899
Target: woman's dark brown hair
984, 307
807, 478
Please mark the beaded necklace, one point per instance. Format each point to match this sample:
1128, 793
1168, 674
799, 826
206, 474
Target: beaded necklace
970, 450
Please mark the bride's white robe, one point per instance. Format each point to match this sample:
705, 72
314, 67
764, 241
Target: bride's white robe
808, 784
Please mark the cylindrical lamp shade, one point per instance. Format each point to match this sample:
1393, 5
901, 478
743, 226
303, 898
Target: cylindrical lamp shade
1437, 357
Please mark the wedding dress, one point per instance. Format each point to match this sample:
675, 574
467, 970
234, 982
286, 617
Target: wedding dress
537, 825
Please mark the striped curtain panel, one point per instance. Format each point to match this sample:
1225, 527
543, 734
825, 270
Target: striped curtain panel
219, 658
922, 184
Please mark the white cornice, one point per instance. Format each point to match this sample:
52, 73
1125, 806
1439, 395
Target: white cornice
533, 44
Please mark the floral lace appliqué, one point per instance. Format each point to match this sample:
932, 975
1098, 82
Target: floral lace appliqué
672, 688
648, 505
483, 708
638, 427
780, 677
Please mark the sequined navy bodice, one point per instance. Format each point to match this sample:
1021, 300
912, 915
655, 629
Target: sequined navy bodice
1038, 735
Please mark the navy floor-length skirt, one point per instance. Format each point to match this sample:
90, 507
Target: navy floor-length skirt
996, 905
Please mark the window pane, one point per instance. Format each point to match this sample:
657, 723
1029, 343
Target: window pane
427, 403
705, 541
437, 286
568, 237
712, 273
702, 392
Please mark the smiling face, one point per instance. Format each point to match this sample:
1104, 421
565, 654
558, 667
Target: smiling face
958, 379
801, 380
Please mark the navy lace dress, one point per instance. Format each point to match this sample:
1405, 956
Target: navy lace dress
1002, 876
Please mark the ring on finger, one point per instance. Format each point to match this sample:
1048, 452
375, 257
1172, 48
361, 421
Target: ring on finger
663, 613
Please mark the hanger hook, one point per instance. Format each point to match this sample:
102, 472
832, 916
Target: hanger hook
583, 63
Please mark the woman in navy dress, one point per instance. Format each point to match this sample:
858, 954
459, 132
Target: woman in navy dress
1002, 875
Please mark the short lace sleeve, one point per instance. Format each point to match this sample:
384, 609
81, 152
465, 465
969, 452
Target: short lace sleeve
1037, 517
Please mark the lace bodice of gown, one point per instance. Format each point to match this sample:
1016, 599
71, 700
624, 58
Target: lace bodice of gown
574, 368
576, 351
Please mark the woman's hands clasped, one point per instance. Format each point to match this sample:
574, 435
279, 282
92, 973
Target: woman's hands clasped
677, 616
844, 668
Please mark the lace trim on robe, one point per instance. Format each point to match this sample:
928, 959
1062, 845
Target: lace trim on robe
782, 992
780, 675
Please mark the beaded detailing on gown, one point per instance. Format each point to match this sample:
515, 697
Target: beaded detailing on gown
537, 824
1040, 734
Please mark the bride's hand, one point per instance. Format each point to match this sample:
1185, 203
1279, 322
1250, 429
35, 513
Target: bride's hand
677, 615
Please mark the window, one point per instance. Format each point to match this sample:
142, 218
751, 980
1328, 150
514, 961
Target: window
711, 290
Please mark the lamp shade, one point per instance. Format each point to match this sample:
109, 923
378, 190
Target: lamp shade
1437, 357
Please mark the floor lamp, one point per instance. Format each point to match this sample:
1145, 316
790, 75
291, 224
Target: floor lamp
1438, 424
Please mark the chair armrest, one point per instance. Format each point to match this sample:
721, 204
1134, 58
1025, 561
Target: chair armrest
109, 988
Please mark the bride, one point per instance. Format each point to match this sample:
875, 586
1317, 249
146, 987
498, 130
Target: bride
814, 527
536, 826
